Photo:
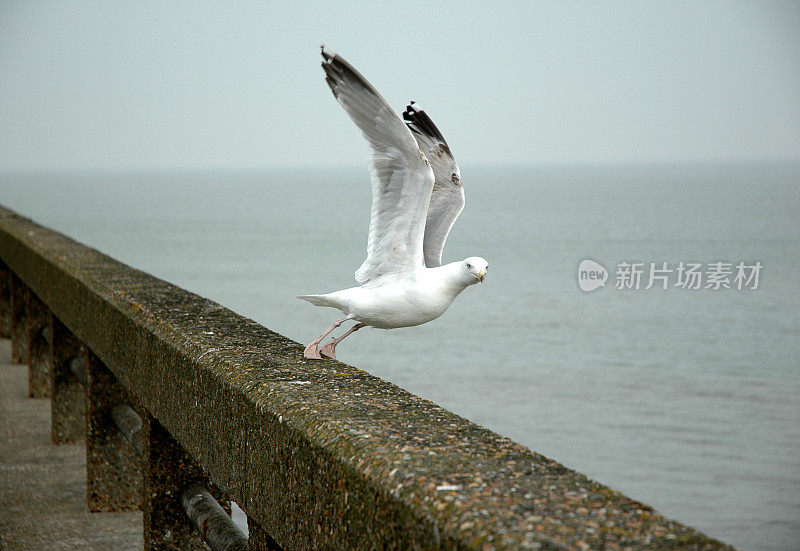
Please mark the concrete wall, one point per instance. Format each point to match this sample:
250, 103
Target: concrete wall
318, 453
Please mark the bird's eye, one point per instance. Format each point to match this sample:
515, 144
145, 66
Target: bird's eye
469, 266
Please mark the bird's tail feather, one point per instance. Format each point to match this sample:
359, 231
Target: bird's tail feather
318, 300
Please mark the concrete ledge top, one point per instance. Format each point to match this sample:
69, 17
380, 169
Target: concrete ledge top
319, 453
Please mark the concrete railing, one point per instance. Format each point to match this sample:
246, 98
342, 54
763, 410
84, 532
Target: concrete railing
317, 453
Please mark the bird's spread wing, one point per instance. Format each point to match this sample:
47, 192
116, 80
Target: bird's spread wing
447, 198
402, 178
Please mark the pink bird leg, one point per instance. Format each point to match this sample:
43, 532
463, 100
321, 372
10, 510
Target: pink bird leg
312, 350
330, 348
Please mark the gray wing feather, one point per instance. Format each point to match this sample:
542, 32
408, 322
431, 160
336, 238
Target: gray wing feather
447, 198
402, 179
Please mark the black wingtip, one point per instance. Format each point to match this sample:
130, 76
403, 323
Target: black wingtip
410, 112
419, 121
338, 69
326, 53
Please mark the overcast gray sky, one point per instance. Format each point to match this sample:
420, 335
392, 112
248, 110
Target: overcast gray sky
227, 85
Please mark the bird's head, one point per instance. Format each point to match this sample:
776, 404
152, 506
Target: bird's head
474, 269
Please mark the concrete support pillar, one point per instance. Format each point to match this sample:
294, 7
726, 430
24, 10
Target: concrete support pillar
5, 301
169, 469
113, 468
19, 320
69, 404
39, 338
258, 539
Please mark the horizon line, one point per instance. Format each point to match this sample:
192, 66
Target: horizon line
477, 166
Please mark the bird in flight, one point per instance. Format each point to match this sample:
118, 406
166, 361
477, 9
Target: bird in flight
416, 197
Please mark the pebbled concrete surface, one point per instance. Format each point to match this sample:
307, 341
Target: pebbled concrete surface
43, 486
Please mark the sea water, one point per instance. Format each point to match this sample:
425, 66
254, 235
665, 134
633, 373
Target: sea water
685, 399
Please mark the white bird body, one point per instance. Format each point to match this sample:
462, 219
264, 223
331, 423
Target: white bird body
416, 198
399, 300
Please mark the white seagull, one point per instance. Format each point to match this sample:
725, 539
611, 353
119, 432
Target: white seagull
416, 197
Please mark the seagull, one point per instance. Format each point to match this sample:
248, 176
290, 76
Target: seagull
416, 197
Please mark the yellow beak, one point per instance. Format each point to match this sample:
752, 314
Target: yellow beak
481, 275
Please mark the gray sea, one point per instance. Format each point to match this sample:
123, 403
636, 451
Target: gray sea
685, 399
